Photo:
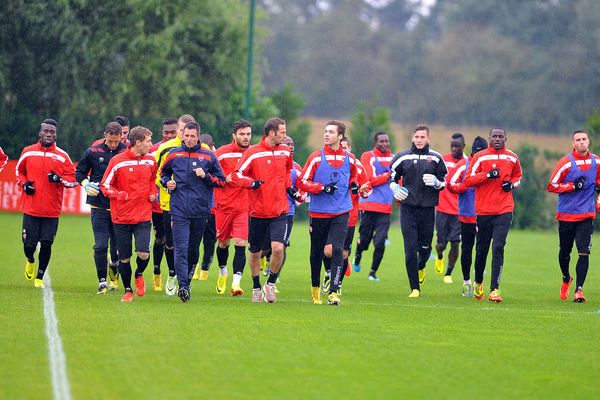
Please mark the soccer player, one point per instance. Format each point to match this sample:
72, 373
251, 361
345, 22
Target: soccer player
124, 124
327, 176
352, 221
209, 239
3, 159
574, 179
265, 168
169, 131
231, 209
190, 172
422, 171
375, 211
494, 173
164, 197
43, 171
129, 184
466, 213
89, 173
446, 213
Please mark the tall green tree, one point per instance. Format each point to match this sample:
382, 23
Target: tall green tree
366, 121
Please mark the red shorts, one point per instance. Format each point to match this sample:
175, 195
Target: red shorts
231, 225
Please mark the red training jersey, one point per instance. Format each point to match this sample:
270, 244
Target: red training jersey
127, 172
448, 201
272, 165
34, 165
490, 199
231, 198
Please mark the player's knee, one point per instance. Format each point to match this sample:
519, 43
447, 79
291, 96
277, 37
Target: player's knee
277, 248
497, 247
100, 250
125, 260
159, 241
238, 242
45, 244
142, 255
328, 250
454, 245
346, 253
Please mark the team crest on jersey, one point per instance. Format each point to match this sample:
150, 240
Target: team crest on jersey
335, 177
194, 163
101, 159
428, 159
130, 169
268, 161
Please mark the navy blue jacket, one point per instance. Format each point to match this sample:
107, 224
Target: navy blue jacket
93, 163
192, 198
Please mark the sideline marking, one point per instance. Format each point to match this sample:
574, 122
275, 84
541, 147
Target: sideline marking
58, 362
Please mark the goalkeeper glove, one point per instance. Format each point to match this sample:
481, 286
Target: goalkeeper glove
91, 188
400, 192
431, 180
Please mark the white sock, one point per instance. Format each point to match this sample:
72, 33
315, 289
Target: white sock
223, 270
237, 278
467, 282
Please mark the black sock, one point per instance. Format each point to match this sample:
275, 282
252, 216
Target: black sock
344, 269
564, 259
170, 257
157, 254
101, 260
358, 255
140, 266
327, 264
377, 257
44, 259
223, 255
272, 277
256, 282
29, 253
239, 259
582, 269
125, 271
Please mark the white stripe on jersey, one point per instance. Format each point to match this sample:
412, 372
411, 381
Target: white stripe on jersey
230, 155
567, 165
489, 157
123, 164
457, 174
261, 154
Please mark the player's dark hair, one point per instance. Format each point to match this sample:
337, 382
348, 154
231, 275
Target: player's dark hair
113, 128
421, 127
345, 139
341, 127
123, 121
207, 139
579, 131
458, 135
169, 121
192, 125
239, 124
498, 129
50, 121
138, 134
376, 136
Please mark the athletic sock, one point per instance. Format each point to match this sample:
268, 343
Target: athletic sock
223, 270
29, 253
327, 265
101, 261
344, 268
157, 254
272, 278
140, 266
563, 261
467, 282
256, 282
449, 269
125, 271
581, 269
44, 259
237, 278
377, 257
239, 260
222, 255
170, 257
357, 255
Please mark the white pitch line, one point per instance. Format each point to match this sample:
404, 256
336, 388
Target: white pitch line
58, 362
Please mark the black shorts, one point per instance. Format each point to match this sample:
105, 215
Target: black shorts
141, 233
266, 246
579, 232
158, 223
38, 229
259, 229
447, 227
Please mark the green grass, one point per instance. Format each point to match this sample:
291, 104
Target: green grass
377, 344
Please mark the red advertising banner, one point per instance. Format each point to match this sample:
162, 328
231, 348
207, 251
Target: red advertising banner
73, 199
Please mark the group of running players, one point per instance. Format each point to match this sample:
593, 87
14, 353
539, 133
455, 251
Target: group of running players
190, 192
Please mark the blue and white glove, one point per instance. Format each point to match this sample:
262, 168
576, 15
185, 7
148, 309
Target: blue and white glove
400, 192
91, 188
431, 180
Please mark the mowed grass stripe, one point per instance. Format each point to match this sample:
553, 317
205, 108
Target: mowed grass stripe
377, 344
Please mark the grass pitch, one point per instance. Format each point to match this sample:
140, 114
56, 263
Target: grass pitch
377, 344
